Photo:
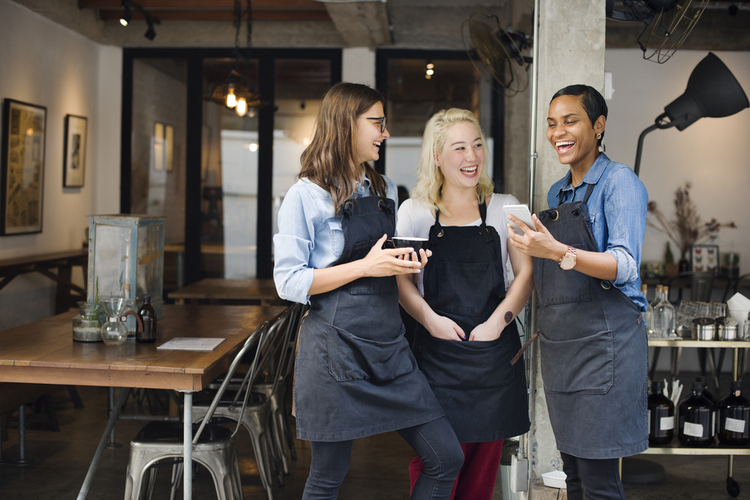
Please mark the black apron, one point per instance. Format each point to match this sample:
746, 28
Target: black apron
484, 397
355, 375
593, 349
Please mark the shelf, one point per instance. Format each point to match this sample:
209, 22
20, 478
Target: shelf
677, 449
698, 343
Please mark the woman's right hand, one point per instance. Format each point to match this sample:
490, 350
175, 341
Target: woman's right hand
381, 261
444, 328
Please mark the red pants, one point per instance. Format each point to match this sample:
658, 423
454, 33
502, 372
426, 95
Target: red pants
476, 480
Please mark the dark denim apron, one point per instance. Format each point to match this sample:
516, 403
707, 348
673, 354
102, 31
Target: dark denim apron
593, 350
355, 375
484, 397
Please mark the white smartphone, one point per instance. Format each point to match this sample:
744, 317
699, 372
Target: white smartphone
520, 212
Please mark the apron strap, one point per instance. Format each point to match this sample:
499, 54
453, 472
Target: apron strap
589, 190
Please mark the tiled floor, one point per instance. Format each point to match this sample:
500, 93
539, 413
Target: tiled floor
378, 469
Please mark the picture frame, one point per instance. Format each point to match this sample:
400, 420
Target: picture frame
704, 258
22, 168
74, 151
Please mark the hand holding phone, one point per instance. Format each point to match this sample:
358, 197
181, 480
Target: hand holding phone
522, 213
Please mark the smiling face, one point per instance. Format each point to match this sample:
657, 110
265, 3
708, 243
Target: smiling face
462, 159
368, 137
572, 134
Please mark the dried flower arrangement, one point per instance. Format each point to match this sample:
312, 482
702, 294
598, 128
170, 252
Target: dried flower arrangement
686, 229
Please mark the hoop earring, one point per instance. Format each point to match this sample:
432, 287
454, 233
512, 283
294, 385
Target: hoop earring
599, 135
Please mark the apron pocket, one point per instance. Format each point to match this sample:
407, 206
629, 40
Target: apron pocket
454, 280
555, 286
467, 365
355, 358
373, 286
584, 365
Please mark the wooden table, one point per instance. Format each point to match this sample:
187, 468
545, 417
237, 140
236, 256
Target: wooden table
214, 290
44, 352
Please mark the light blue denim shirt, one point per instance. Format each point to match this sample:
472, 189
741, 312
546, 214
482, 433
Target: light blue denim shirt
617, 210
310, 236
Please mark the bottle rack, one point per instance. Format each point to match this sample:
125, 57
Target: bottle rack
675, 448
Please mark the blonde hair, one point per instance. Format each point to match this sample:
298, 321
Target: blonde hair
429, 176
330, 160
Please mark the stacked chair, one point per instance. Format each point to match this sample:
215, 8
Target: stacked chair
213, 444
263, 391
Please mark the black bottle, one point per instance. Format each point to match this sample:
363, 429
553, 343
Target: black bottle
734, 418
148, 316
660, 417
696, 419
714, 401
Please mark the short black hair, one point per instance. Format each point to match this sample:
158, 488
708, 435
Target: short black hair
591, 100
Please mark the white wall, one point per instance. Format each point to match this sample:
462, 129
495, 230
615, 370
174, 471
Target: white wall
713, 153
48, 65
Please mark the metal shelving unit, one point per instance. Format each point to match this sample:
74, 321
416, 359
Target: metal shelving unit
733, 487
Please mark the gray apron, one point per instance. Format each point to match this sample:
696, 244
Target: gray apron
355, 375
593, 350
482, 394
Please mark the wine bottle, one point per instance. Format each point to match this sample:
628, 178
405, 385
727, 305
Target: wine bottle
660, 417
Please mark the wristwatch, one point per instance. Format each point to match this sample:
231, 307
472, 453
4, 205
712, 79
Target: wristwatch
568, 260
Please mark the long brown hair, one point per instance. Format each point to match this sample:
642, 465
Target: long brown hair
330, 160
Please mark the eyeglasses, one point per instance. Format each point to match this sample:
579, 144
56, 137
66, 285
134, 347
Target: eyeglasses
382, 121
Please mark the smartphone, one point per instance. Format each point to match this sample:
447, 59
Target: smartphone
520, 212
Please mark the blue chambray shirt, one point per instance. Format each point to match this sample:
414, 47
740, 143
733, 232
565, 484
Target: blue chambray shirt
617, 210
310, 236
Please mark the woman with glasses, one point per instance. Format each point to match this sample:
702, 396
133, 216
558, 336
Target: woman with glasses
464, 301
355, 375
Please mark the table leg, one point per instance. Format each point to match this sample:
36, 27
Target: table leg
102, 442
187, 437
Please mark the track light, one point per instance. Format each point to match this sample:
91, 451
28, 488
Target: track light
126, 14
150, 33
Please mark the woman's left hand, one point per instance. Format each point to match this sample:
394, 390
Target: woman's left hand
539, 243
485, 331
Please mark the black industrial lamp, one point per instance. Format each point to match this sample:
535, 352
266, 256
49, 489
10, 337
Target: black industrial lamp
712, 91
126, 14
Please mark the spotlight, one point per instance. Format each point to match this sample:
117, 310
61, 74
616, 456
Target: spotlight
150, 33
126, 14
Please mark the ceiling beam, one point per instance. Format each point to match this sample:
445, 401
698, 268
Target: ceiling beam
221, 15
361, 24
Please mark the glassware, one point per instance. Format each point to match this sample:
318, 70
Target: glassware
660, 417
114, 331
696, 419
664, 316
148, 317
86, 324
125, 306
734, 418
648, 316
717, 310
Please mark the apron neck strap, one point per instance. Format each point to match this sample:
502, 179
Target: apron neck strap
589, 190
482, 213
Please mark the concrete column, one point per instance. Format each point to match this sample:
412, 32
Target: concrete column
358, 65
571, 50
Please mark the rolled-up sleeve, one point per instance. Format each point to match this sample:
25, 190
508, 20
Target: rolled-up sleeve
293, 247
625, 214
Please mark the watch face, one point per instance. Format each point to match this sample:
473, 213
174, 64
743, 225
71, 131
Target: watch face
568, 262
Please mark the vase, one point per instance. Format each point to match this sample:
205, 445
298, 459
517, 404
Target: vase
684, 265
86, 324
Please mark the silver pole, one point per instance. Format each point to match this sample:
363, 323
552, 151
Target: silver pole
102, 442
187, 439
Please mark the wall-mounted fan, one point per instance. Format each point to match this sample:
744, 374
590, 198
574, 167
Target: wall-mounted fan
499, 51
668, 23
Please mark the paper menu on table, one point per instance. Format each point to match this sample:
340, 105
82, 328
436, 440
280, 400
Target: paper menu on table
191, 344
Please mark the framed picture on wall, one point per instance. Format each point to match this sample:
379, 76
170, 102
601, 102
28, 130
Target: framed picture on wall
705, 258
74, 151
22, 169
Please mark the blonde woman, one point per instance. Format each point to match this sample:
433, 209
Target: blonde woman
463, 301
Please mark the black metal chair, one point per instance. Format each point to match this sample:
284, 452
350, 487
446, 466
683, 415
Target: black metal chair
213, 444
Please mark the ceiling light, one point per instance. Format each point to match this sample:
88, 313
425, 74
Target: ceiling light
150, 33
241, 108
126, 14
